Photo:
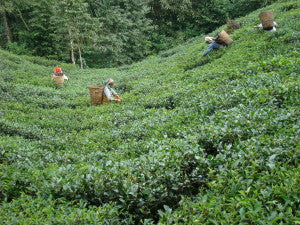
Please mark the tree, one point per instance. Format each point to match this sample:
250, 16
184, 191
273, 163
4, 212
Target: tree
11, 16
6, 7
238, 8
172, 16
75, 26
124, 33
209, 15
40, 36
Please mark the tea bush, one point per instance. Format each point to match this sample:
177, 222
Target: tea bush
48, 211
197, 140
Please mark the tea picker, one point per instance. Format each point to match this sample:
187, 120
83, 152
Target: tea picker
267, 21
58, 72
109, 92
103, 94
220, 41
233, 25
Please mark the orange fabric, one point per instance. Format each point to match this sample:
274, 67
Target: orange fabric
58, 70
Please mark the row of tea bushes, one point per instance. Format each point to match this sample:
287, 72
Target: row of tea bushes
29, 210
196, 140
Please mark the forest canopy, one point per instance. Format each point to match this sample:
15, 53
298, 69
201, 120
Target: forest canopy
108, 33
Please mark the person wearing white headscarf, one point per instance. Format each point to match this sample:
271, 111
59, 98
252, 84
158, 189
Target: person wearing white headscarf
271, 29
109, 92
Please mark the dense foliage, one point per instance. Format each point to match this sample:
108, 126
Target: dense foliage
197, 140
107, 33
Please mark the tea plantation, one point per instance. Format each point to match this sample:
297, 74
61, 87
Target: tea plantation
197, 140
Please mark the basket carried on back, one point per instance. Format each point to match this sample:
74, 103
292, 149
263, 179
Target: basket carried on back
96, 93
267, 19
224, 37
233, 24
59, 80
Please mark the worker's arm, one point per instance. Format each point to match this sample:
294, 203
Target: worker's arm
118, 98
259, 26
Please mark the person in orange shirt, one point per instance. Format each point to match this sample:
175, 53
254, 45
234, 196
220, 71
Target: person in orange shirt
58, 72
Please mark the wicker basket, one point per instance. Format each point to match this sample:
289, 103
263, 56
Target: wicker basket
96, 93
267, 19
233, 24
59, 80
224, 37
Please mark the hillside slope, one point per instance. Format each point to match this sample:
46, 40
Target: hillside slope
197, 140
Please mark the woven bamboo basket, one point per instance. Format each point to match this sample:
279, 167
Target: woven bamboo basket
59, 80
267, 19
96, 93
233, 24
224, 37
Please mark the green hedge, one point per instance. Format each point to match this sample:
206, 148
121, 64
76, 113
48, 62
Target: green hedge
208, 140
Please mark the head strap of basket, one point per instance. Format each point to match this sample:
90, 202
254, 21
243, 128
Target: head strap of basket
224, 37
233, 24
267, 19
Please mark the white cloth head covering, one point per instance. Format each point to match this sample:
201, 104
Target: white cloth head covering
109, 81
208, 39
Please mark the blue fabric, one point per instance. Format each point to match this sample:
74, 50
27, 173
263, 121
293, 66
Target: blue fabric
108, 86
213, 45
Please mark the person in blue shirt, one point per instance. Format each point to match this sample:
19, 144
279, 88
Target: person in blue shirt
214, 44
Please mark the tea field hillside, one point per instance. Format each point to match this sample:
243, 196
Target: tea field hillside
197, 140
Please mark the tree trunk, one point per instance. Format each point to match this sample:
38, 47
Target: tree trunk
21, 17
71, 47
6, 27
80, 58
72, 52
